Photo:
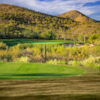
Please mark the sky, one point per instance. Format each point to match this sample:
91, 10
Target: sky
90, 8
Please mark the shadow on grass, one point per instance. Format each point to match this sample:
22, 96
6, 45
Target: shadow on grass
13, 42
54, 97
32, 76
37, 74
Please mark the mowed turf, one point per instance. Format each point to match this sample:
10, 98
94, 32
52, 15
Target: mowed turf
11, 42
36, 70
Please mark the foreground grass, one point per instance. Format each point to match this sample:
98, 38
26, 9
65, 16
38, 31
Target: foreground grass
36, 70
11, 42
84, 87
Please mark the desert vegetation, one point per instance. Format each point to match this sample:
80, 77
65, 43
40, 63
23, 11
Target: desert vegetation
85, 55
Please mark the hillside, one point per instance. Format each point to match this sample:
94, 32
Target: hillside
21, 22
17, 22
76, 16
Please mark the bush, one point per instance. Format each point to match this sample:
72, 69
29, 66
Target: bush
56, 62
91, 61
74, 63
24, 59
3, 46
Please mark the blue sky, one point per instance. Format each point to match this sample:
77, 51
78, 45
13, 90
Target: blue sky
90, 8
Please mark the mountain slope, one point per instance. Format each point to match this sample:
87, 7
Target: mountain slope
76, 16
17, 22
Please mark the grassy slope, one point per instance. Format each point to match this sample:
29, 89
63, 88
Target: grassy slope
36, 70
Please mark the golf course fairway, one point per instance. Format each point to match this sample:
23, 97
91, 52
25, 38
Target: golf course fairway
36, 70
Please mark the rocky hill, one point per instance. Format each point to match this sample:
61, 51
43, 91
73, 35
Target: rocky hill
76, 16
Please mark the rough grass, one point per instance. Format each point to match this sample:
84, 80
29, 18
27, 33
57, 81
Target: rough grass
36, 70
83, 87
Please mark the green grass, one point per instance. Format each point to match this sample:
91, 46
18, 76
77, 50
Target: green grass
11, 42
36, 70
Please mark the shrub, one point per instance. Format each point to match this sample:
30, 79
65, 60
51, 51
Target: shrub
56, 62
74, 63
24, 59
3, 46
91, 61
